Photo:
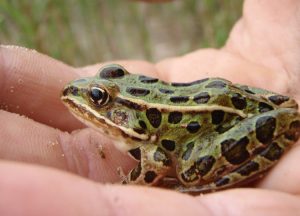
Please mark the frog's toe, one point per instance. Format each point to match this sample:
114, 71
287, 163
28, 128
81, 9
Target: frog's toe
154, 164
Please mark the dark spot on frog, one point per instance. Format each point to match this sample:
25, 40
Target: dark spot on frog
278, 99
201, 98
200, 168
294, 131
295, 124
272, 152
146, 79
246, 89
193, 127
265, 127
258, 150
222, 181
263, 107
71, 90
204, 164
217, 116
137, 92
129, 104
216, 84
188, 151
112, 72
175, 117
154, 116
168, 144
247, 168
189, 175
139, 130
238, 101
161, 156
249, 91
166, 91
142, 124
179, 99
150, 176
189, 83
175, 84
135, 153
136, 172
235, 151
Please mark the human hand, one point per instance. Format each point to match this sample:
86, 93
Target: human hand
262, 51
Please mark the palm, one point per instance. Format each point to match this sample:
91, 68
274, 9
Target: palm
260, 52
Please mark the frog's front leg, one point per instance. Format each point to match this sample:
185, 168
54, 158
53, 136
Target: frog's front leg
239, 155
153, 165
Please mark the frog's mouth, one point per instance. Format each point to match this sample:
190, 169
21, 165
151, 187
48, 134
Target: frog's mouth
119, 134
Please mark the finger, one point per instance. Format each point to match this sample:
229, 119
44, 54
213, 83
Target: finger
84, 152
251, 202
83, 197
268, 35
31, 85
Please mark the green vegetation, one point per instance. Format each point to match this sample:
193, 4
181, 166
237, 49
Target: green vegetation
83, 32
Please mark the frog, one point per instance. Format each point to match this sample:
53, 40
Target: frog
194, 137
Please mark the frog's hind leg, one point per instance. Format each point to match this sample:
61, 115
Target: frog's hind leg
272, 97
285, 126
250, 171
153, 165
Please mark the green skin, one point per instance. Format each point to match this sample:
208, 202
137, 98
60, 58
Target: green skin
213, 134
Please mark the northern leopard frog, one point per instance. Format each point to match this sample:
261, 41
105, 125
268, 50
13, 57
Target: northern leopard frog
213, 134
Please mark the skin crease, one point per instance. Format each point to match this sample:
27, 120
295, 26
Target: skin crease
262, 50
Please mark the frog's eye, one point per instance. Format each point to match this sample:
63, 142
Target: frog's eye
99, 96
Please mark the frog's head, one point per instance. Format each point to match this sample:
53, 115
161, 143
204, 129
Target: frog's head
94, 101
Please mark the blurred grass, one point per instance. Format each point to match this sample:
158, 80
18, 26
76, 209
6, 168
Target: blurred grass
83, 32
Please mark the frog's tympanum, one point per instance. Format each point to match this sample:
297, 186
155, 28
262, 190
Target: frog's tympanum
209, 134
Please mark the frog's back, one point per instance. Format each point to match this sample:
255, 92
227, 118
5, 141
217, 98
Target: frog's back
202, 95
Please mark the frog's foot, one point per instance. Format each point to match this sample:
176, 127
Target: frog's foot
286, 133
154, 164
